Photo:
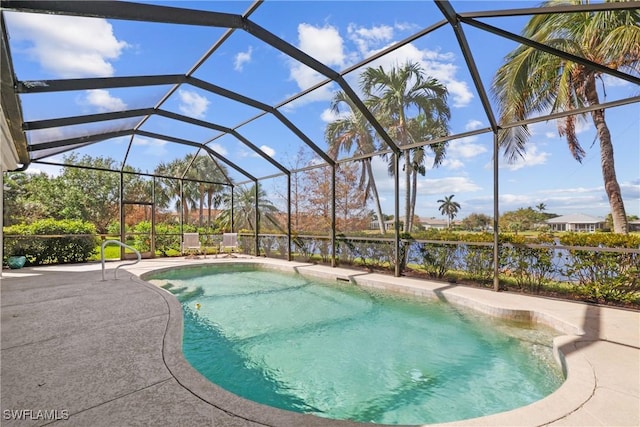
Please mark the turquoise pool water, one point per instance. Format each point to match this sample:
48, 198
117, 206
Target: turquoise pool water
340, 351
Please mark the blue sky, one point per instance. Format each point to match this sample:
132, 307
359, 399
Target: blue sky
339, 34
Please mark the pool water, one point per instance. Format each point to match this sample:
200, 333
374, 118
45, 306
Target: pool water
344, 352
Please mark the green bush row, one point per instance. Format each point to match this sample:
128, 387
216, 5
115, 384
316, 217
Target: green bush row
28, 240
587, 261
583, 261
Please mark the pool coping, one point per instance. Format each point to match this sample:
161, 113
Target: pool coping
561, 407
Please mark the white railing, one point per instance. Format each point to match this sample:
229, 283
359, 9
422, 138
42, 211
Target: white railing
117, 242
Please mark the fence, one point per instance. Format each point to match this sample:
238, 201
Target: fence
599, 273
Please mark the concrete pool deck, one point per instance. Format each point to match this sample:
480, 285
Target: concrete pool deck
76, 350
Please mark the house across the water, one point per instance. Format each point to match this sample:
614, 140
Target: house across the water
576, 222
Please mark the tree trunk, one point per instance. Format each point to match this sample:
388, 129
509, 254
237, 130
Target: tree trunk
209, 203
201, 211
185, 212
414, 185
376, 198
611, 186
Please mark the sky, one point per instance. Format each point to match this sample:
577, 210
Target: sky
338, 34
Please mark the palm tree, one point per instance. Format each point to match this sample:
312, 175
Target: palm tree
449, 208
244, 212
425, 128
342, 133
171, 187
541, 207
533, 80
392, 96
204, 169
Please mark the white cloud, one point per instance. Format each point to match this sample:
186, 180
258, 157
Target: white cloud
519, 200
51, 170
464, 149
67, 46
452, 184
435, 64
452, 164
426, 185
407, 26
268, 150
250, 153
368, 38
304, 76
218, 149
242, 58
473, 125
531, 158
103, 101
328, 115
192, 104
327, 46
153, 147
591, 200
324, 44
550, 128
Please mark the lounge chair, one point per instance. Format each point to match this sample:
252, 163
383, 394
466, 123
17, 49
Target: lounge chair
191, 242
229, 243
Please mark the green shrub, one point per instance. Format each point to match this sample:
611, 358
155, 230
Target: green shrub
142, 236
531, 267
438, 258
113, 229
63, 247
604, 275
477, 259
167, 238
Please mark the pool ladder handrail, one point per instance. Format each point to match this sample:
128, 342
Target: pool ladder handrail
118, 242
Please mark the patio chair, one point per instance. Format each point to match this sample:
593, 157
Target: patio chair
191, 242
230, 243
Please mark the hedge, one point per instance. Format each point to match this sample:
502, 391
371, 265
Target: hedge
29, 240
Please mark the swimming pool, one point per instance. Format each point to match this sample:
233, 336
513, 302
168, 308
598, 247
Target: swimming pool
340, 351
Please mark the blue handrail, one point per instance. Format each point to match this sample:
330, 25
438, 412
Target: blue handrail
117, 242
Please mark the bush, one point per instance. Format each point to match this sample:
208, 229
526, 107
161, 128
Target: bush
603, 275
438, 258
531, 267
31, 242
167, 238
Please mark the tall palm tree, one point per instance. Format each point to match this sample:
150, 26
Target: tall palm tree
425, 128
171, 187
204, 169
393, 95
533, 80
244, 211
449, 208
348, 130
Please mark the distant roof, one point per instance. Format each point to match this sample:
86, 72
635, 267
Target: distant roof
433, 221
575, 219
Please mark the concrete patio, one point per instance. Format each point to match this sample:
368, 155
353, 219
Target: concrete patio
80, 351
